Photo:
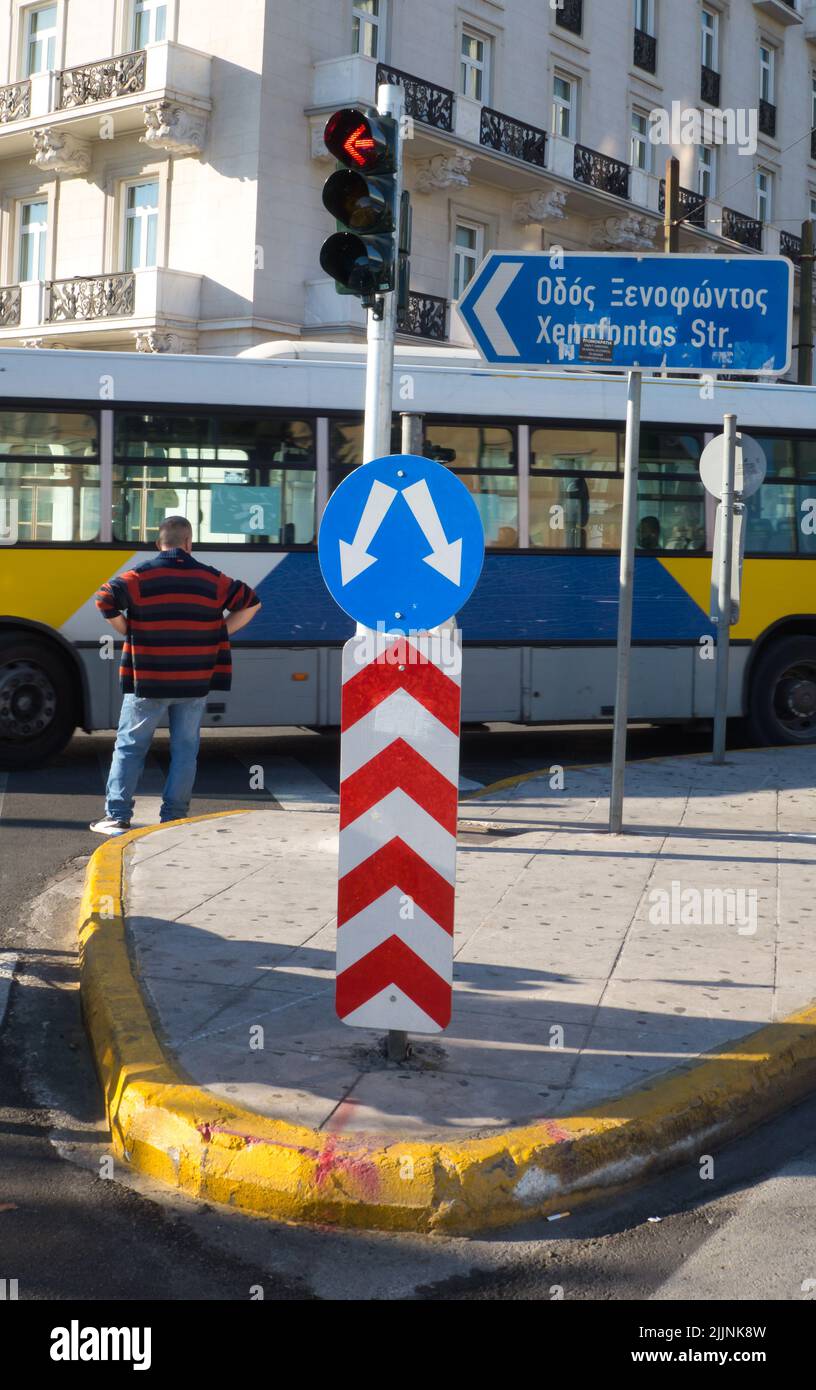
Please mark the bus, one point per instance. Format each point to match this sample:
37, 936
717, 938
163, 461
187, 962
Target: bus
97, 448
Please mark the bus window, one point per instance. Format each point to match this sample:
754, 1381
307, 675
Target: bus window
574, 504
484, 458
770, 518
671, 498
49, 477
237, 480
346, 446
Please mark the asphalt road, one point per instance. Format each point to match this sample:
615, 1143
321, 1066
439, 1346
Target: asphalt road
70, 1231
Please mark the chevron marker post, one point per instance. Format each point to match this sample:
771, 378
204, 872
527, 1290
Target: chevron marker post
399, 765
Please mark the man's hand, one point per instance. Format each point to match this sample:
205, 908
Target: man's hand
119, 624
235, 621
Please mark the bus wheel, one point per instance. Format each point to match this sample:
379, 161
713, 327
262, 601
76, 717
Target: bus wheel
783, 693
37, 701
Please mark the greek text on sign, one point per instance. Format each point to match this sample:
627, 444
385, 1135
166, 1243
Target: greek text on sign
399, 765
684, 313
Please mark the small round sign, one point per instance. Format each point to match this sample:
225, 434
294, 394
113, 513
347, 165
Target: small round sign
749, 469
401, 544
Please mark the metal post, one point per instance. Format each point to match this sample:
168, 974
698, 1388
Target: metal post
412, 434
396, 1045
671, 208
805, 364
627, 574
724, 587
381, 331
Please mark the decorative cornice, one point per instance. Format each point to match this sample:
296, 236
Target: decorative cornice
57, 152
177, 129
444, 171
630, 232
154, 340
541, 207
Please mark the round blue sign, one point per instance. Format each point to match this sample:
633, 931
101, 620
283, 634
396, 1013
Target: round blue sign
401, 544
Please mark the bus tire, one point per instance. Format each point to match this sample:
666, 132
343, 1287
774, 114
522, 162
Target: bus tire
782, 704
38, 701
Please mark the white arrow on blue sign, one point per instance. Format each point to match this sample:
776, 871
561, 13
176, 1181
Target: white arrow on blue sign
618, 312
401, 544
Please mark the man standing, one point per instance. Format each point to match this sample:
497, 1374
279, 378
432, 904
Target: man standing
176, 651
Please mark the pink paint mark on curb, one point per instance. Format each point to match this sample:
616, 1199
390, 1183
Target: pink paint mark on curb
327, 1159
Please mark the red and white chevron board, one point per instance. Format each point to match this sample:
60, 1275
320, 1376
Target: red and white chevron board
399, 792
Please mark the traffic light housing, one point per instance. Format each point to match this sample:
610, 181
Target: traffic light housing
362, 196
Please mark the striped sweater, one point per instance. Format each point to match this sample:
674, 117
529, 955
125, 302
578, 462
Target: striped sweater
177, 644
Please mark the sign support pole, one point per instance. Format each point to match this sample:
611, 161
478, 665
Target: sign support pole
382, 323
626, 593
724, 588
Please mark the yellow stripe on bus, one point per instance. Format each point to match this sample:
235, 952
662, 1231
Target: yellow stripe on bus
48, 586
771, 589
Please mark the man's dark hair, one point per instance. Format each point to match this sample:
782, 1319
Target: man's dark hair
174, 530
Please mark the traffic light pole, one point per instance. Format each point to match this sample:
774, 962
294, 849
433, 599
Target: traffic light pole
382, 322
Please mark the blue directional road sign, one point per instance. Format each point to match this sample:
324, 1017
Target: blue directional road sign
608, 312
401, 544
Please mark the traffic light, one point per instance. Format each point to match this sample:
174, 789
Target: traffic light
362, 196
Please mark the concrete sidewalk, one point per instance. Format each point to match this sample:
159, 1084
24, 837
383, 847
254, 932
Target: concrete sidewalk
585, 965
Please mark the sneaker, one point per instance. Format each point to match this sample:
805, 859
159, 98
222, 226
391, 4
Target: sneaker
108, 826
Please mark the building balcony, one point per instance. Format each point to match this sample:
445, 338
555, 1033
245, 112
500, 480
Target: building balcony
737, 226
425, 317
790, 245
601, 171
783, 11
809, 17
509, 136
767, 118
709, 86
570, 15
644, 53
162, 91
154, 310
343, 314
692, 206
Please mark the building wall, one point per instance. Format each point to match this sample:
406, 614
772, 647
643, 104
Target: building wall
246, 215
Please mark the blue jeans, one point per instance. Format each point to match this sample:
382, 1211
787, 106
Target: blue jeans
137, 725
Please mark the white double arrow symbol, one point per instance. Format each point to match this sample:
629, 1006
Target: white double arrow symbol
445, 556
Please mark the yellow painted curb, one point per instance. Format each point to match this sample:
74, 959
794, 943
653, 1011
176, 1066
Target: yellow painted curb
164, 1126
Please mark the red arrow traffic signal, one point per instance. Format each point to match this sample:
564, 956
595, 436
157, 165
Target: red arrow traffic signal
367, 143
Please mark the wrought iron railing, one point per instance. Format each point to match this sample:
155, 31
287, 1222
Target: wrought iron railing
425, 317
601, 171
709, 86
504, 133
113, 77
569, 14
737, 226
15, 102
692, 205
10, 306
790, 245
423, 100
645, 53
91, 297
767, 117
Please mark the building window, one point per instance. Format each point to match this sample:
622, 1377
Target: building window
141, 225
812, 213
474, 71
813, 100
710, 40
41, 40
764, 195
368, 18
149, 22
468, 253
641, 146
644, 16
33, 237
706, 171
564, 114
766, 74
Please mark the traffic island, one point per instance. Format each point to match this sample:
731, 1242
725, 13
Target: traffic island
620, 1003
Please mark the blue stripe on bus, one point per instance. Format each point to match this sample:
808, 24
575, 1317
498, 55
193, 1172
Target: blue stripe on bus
536, 598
